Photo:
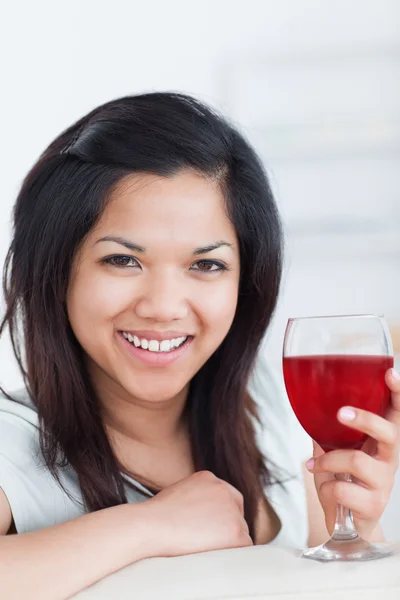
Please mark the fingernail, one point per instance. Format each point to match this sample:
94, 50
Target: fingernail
310, 464
347, 414
395, 375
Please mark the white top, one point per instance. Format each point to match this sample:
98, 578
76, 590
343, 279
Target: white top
37, 501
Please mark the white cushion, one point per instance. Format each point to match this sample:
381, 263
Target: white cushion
250, 573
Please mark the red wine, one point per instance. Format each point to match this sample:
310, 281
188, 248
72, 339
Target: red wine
318, 386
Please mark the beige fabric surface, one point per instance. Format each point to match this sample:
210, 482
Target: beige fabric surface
250, 573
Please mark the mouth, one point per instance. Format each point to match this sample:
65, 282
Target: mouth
154, 352
154, 345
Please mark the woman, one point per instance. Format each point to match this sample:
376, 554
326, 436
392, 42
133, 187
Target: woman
141, 279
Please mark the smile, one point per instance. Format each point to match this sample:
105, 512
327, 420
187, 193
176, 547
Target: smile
155, 345
150, 355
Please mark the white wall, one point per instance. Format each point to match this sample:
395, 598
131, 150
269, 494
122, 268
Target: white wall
314, 84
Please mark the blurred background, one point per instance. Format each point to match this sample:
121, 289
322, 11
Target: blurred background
315, 86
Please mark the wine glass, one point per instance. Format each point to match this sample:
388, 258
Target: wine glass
330, 362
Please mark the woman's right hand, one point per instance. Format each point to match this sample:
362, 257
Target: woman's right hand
197, 514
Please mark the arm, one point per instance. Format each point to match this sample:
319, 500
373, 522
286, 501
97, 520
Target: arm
198, 514
58, 562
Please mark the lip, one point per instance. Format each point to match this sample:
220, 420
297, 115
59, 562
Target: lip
159, 336
155, 359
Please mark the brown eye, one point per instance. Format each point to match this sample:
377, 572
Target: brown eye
121, 261
209, 266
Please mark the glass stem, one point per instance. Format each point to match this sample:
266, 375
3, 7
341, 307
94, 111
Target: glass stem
344, 525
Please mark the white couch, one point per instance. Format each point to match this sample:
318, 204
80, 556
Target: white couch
256, 573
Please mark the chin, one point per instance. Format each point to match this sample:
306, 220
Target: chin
154, 393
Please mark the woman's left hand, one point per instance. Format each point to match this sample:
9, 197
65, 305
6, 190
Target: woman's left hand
372, 468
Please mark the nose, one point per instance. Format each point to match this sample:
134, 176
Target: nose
163, 299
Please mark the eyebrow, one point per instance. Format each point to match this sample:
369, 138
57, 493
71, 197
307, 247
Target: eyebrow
136, 248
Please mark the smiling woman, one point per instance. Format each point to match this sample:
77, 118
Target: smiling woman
165, 283
142, 276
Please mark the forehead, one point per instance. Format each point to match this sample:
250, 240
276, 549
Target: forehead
185, 204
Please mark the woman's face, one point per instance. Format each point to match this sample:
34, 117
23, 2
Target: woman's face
152, 271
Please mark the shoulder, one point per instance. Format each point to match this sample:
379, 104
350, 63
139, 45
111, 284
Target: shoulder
19, 400
35, 498
19, 423
279, 433
267, 388
283, 444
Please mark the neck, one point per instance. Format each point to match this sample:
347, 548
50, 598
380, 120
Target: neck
148, 423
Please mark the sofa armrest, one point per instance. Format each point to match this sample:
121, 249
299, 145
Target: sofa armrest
250, 573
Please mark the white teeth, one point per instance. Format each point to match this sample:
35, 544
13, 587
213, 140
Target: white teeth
155, 345
178, 341
166, 346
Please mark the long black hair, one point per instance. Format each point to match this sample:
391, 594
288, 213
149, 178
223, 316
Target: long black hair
60, 201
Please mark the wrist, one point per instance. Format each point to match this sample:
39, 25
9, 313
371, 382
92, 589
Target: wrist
145, 532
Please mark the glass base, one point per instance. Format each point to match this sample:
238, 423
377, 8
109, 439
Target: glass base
350, 549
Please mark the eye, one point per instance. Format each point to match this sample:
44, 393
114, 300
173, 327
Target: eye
121, 261
209, 266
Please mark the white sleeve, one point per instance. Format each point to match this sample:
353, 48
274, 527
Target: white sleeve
29, 487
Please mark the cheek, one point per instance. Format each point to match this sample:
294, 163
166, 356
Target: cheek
218, 308
94, 300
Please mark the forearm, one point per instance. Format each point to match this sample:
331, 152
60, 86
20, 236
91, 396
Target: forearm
58, 562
